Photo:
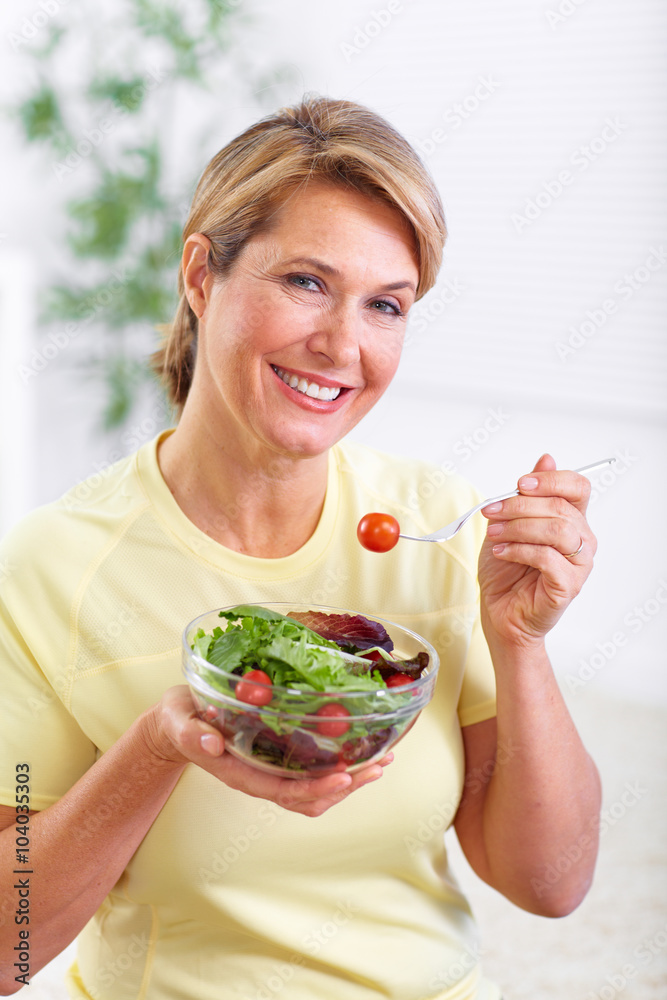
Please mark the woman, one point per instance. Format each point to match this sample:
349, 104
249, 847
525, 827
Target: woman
189, 873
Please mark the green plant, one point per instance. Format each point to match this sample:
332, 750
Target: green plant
113, 139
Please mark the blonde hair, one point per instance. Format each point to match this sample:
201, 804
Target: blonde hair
247, 181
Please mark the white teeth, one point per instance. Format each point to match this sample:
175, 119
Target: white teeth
311, 389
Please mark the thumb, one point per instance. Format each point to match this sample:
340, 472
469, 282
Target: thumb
192, 735
198, 739
212, 742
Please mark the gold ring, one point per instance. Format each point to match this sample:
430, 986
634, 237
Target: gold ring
573, 554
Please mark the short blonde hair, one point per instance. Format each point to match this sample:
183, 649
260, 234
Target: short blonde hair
247, 181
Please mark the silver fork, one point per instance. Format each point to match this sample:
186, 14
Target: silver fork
449, 530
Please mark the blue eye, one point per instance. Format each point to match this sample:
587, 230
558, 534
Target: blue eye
388, 306
303, 281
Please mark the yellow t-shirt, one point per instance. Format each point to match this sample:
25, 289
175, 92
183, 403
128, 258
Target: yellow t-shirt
230, 897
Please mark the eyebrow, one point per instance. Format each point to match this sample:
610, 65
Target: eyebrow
328, 269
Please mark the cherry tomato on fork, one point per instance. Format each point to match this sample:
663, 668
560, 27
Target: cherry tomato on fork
255, 688
378, 532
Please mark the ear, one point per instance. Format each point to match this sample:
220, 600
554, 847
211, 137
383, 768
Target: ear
196, 275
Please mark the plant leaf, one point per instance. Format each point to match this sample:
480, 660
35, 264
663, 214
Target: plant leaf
41, 118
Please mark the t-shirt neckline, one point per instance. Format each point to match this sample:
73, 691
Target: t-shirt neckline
201, 545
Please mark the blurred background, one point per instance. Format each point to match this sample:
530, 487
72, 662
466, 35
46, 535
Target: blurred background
544, 126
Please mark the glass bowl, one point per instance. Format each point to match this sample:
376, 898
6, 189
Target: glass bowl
285, 737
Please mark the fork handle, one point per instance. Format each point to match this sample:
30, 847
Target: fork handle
515, 493
597, 465
437, 536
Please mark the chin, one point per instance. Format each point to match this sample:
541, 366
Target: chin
305, 449
305, 445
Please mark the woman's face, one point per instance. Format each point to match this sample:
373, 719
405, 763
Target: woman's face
303, 336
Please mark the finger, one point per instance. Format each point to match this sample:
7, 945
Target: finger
198, 741
521, 506
573, 487
337, 791
361, 778
318, 800
181, 733
178, 699
562, 578
564, 534
304, 789
578, 557
545, 463
309, 796
289, 793
312, 797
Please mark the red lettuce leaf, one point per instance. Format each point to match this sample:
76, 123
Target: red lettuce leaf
365, 746
347, 630
297, 750
413, 668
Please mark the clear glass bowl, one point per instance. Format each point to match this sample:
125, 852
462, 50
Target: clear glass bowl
284, 737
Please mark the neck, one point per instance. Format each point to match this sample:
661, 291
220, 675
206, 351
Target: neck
265, 504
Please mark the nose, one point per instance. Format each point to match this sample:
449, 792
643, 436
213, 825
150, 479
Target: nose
338, 336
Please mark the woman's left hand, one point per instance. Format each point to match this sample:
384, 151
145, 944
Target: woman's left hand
528, 572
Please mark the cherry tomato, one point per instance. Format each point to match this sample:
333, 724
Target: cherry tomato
332, 727
348, 751
397, 680
254, 688
374, 654
211, 713
378, 532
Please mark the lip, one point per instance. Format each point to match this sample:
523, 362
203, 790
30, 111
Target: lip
307, 402
314, 377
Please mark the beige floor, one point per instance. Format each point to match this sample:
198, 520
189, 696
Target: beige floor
615, 944
623, 920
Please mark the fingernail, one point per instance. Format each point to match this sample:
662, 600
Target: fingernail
528, 483
495, 529
497, 549
210, 744
373, 777
493, 508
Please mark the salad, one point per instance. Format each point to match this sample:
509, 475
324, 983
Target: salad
304, 691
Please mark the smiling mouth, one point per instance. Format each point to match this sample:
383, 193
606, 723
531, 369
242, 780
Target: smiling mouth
306, 387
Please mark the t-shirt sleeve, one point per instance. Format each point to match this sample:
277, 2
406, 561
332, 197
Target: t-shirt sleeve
35, 726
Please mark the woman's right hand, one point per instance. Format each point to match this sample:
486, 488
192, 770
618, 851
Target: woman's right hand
176, 733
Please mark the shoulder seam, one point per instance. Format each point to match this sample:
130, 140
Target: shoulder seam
81, 590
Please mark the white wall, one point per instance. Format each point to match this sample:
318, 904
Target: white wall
554, 322
17, 406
